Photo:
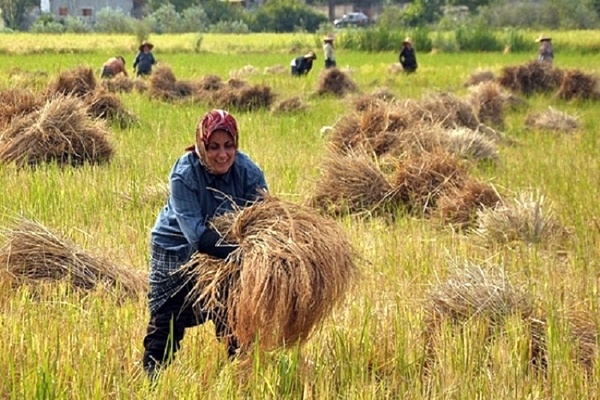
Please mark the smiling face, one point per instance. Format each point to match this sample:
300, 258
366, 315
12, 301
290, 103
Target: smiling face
220, 152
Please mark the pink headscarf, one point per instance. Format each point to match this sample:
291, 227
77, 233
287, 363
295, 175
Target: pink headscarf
212, 121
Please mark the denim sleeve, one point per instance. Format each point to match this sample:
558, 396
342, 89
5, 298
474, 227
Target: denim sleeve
187, 210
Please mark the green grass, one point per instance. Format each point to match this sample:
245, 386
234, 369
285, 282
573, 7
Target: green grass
62, 344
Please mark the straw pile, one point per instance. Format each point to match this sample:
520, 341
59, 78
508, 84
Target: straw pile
469, 144
16, 103
292, 268
478, 77
524, 219
165, 86
443, 108
552, 120
276, 69
119, 83
351, 183
210, 82
30, 253
78, 82
488, 100
108, 106
334, 81
531, 77
59, 132
584, 334
459, 206
578, 85
291, 104
246, 98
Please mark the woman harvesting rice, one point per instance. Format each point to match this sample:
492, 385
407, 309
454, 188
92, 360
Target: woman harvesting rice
211, 178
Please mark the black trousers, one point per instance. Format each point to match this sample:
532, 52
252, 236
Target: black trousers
330, 63
167, 328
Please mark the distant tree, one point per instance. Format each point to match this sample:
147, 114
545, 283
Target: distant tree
472, 4
422, 12
13, 11
179, 5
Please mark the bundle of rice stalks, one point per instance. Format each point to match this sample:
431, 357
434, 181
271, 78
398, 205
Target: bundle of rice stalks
531, 77
247, 98
443, 108
30, 252
473, 294
237, 83
459, 206
292, 104
420, 180
139, 85
211, 82
292, 268
244, 71
334, 81
488, 100
469, 144
365, 102
276, 69
384, 94
108, 106
584, 334
552, 120
59, 132
374, 130
351, 183
154, 195
578, 85
524, 219
78, 82
164, 85
15, 103
480, 77
35, 80
118, 84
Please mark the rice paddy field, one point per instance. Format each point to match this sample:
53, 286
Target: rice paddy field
500, 304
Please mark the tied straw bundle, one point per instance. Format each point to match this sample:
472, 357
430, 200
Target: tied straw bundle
292, 267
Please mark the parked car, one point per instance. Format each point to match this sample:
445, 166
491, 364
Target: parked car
351, 19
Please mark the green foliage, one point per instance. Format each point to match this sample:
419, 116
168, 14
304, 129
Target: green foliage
14, 10
194, 19
229, 27
391, 17
217, 10
472, 4
109, 20
179, 5
165, 19
47, 24
75, 25
517, 42
422, 12
375, 38
444, 42
421, 39
141, 30
198, 43
286, 16
476, 37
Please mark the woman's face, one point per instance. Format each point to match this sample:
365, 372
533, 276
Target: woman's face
220, 151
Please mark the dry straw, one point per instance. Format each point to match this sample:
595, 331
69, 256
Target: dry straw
459, 206
30, 252
489, 100
165, 86
245, 98
552, 120
291, 104
118, 84
443, 108
293, 266
78, 82
16, 103
334, 81
578, 85
531, 78
60, 132
468, 144
478, 77
108, 106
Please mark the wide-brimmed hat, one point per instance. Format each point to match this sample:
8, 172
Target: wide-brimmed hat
328, 38
311, 54
543, 37
407, 40
146, 43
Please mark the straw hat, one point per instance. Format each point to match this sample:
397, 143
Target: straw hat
407, 40
543, 37
328, 38
311, 54
146, 43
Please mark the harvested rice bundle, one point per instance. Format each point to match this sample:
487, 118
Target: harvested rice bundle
444, 108
552, 120
459, 205
584, 333
351, 183
247, 98
164, 85
524, 219
292, 104
140, 85
119, 83
237, 83
59, 132
531, 77
155, 195
578, 85
244, 71
78, 82
374, 130
420, 180
480, 77
469, 144
211, 82
17, 102
488, 100
276, 69
334, 81
30, 252
292, 268
108, 106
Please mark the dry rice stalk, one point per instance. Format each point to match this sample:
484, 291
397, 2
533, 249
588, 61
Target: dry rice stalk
31, 253
351, 183
237, 83
365, 102
244, 71
443, 108
292, 104
334, 81
211, 82
78, 82
420, 180
552, 120
118, 84
459, 206
578, 85
140, 85
531, 77
488, 100
480, 77
164, 85
292, 268
17, 102
59, 132
108, 106
276, 69
584, 334
154, 195
469, 144
247, 98
524, 219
